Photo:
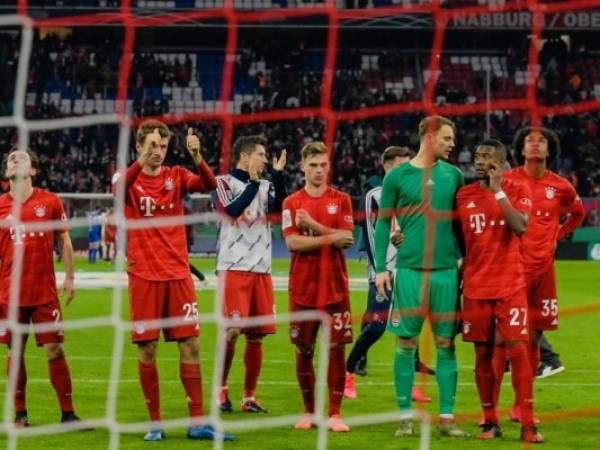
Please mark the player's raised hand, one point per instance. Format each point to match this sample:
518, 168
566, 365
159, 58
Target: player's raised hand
192, 143
397, 238
342, 240
495, 177
68, 288
279, 164
383, 282
152, 142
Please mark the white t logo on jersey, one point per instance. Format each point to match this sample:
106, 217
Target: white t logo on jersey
477, 222
17, 234
147, 206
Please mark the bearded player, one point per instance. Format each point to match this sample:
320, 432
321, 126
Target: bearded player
317, 225
494, 214
160, 283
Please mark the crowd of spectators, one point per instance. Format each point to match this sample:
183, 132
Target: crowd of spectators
83, 160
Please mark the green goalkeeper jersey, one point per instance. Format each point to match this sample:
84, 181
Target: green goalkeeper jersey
408, 196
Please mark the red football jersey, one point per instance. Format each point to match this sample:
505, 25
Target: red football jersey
493, 266
319, 277
552, 196
160, 253
38, 282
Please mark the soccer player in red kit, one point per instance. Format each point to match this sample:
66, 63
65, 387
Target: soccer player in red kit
160, 283
37, 300
317, 225
493, 214
552, 197
110, 236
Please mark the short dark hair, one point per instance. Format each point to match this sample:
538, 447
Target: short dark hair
247, 144
147, 127
432, 124
498, 146
551, 137
394, 152
35, 160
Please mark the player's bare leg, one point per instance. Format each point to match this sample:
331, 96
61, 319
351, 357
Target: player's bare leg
253, 356
149, 380
305, 373
231, 337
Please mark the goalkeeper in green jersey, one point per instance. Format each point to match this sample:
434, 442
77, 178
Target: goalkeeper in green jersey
420, 195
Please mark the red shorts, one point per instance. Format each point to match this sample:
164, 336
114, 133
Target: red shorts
47, 313
543, 304
508, 315
305, 332
248, 294
153, 300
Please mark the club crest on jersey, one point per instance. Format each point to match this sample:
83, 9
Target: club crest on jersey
140, 328
294, 332
550, 192
40, 211
332, 208
466, 327
395, 319
169, 184
235, 315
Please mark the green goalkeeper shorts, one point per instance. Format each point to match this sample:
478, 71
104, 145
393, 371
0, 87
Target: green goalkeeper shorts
412, 303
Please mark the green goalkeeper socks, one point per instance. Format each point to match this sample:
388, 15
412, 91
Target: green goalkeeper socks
404, 376
445, 372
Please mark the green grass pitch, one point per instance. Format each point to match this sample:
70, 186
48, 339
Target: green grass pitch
568, 404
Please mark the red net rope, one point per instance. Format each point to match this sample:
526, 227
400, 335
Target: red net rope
440, 17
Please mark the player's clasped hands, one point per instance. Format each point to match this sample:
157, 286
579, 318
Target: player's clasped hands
192, 143
304, 219
342, 240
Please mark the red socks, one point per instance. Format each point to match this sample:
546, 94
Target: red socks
522, 380
305, 372
191, 379
19, 397
498, 364
60, 377
484, 378
253, 356
229, 353
336, 378
149, 381
534, 358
